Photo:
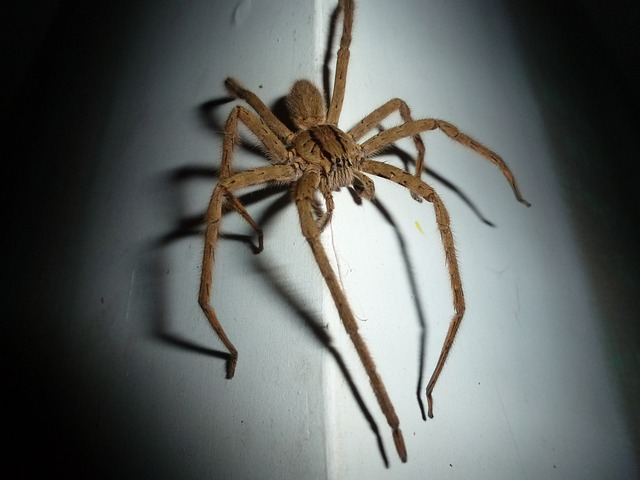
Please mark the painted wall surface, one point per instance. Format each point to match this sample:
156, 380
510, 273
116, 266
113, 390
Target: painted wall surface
116, 372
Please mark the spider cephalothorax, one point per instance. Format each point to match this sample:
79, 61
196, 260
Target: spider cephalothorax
319, 157
330, 149
318, 143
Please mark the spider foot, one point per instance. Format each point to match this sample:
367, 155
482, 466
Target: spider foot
231, 365
399, 441
429, 405
524, 202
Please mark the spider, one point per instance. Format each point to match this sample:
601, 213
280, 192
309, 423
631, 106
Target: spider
317, 159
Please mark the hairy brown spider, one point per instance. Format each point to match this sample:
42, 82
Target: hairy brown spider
321, 158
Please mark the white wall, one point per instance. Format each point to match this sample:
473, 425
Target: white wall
128, 355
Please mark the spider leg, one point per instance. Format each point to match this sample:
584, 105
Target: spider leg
276, 126
238, 207
342, 64
275, 148
258, 176
227, 184
363, 186
372, 120
442, 218
305, 191
325, 218
413, 127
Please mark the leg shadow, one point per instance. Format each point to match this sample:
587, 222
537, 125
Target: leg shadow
417, 301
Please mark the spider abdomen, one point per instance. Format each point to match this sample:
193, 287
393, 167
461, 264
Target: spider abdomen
334, 151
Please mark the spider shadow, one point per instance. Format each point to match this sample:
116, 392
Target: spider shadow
189, 226
409, 161
158, 266
415, 292
321, 335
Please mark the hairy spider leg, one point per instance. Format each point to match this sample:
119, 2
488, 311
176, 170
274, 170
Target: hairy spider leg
305, 191
387, 137
227, 184
373, 120
442, 219
267, 116
342, 63
250, 178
